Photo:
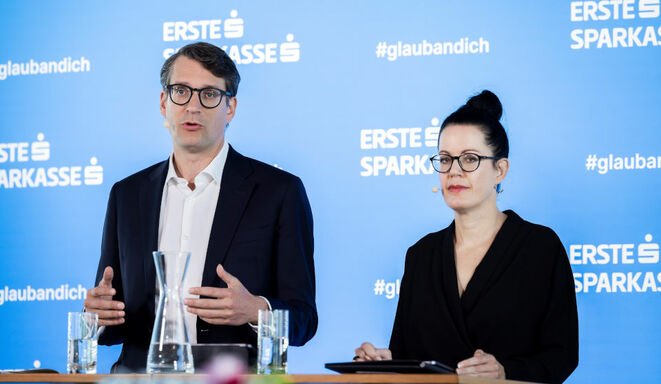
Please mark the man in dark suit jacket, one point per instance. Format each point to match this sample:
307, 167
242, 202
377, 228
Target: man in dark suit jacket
259, 252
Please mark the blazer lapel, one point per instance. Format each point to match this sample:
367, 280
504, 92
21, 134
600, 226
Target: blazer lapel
151, 193
493, 264
235, 192
450, 291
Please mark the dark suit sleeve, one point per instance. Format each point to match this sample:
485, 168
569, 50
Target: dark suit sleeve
110, 257
399, 329
557, 355
295, 280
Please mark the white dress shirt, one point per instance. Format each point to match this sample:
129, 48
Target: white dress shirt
186, 219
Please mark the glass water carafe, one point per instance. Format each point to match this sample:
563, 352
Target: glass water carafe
170, 349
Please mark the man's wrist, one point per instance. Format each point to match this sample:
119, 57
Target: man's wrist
264, 300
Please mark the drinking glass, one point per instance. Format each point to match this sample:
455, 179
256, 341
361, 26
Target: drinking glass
82, 342
272, 341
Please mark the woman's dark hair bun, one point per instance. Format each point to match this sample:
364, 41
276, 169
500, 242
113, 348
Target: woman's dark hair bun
488, 102
483, 110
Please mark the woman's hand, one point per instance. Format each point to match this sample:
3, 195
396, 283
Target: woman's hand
482, 364
367, 352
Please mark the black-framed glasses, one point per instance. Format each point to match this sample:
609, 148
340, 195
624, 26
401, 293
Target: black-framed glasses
210, 97
468, 162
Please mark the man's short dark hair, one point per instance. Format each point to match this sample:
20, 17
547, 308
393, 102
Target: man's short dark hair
214, 59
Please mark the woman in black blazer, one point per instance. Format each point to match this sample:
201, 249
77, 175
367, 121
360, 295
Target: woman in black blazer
491, 294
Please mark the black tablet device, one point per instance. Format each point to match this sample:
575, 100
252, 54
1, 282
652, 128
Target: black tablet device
390, 366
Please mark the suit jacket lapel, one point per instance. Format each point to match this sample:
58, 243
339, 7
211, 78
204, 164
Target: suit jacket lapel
235, 192
151, 193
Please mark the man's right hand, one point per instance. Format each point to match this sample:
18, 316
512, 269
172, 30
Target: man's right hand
367, 352
99, 300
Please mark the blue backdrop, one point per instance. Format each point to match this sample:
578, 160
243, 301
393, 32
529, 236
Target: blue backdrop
348, 96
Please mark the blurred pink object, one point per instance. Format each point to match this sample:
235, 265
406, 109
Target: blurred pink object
225, 369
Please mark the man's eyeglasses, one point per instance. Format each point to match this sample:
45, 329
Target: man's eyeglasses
210, 97
468, 162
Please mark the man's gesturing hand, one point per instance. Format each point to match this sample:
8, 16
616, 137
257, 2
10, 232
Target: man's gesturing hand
99, 300
233, 305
